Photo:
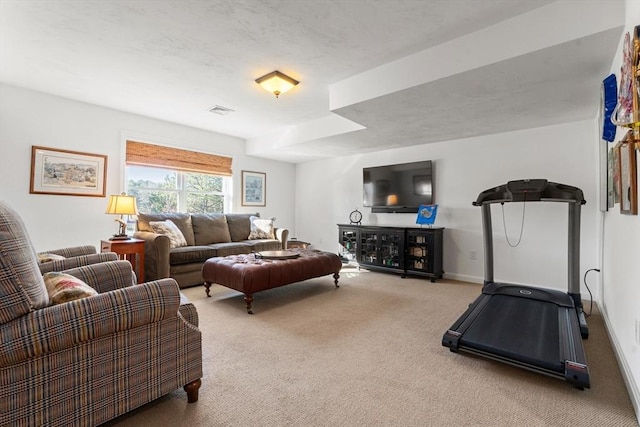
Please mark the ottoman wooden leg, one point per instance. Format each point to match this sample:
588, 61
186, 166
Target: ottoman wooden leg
207, 287
336, 276
248, 299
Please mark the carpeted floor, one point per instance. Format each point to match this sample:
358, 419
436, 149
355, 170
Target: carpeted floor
369, 353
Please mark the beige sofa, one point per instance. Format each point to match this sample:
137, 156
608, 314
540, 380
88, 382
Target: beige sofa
206, 236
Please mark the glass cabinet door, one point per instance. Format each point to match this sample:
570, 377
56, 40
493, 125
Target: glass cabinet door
418, 246
368, 247
391, 249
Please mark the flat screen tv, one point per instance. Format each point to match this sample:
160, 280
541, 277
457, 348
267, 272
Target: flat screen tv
399, 188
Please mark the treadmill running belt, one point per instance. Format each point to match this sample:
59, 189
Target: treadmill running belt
518, 328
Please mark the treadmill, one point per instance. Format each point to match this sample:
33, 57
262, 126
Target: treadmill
533, 328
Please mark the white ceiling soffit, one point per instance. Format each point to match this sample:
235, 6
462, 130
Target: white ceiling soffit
482, 66
547, 71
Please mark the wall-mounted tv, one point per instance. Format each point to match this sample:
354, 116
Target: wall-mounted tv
399, 188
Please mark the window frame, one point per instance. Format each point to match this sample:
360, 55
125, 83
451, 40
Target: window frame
181, 191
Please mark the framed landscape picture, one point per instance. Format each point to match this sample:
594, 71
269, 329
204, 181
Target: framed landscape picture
67, 173
254, 188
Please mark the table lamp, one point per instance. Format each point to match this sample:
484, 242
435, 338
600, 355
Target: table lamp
121, 204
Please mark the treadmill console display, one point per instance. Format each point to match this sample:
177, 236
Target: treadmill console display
526, 189
527, 185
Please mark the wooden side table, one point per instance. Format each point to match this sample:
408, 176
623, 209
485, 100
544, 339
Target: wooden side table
131, 250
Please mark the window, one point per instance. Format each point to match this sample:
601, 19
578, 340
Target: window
162, 190
165, 179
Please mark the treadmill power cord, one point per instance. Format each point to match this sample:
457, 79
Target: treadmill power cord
584, 279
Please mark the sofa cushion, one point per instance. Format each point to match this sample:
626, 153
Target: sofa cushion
210, 228
182, 220
169, 229
234, 248
264, 245
262, 228
239, 226
21, 277
63, 287
191, 254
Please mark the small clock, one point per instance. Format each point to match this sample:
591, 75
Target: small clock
355, 217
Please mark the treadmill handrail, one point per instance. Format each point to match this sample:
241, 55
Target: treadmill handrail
488, 202
531, 190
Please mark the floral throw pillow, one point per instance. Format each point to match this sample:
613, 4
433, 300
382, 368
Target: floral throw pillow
171, 230
63, 287
262, 228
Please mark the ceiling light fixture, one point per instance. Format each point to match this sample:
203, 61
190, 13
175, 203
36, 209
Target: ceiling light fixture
276, 82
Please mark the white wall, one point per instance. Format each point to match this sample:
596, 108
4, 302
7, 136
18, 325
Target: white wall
31, 118
621, 264
463, 169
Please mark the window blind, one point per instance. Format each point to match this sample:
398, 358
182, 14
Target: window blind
143, 154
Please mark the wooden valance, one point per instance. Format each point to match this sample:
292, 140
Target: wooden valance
142, 154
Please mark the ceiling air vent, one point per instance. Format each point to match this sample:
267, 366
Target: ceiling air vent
223, 111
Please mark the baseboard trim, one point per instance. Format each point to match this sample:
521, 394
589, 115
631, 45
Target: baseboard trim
463, 278
632, 387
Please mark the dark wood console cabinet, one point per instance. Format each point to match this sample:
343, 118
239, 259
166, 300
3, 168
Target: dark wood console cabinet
402, 250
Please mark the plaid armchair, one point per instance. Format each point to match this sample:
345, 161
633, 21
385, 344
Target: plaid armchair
90, 360
75, 256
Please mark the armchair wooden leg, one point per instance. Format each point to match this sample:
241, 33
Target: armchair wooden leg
192, 390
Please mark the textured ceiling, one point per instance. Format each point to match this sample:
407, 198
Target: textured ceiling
174, 60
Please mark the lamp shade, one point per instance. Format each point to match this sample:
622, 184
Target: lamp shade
276, 82
121, 204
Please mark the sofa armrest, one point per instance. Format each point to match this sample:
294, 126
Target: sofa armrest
76, 261
156, 254
62, 326
282, 234
106, 276
73, 251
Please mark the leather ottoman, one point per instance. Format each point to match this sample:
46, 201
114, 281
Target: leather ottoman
248, 273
